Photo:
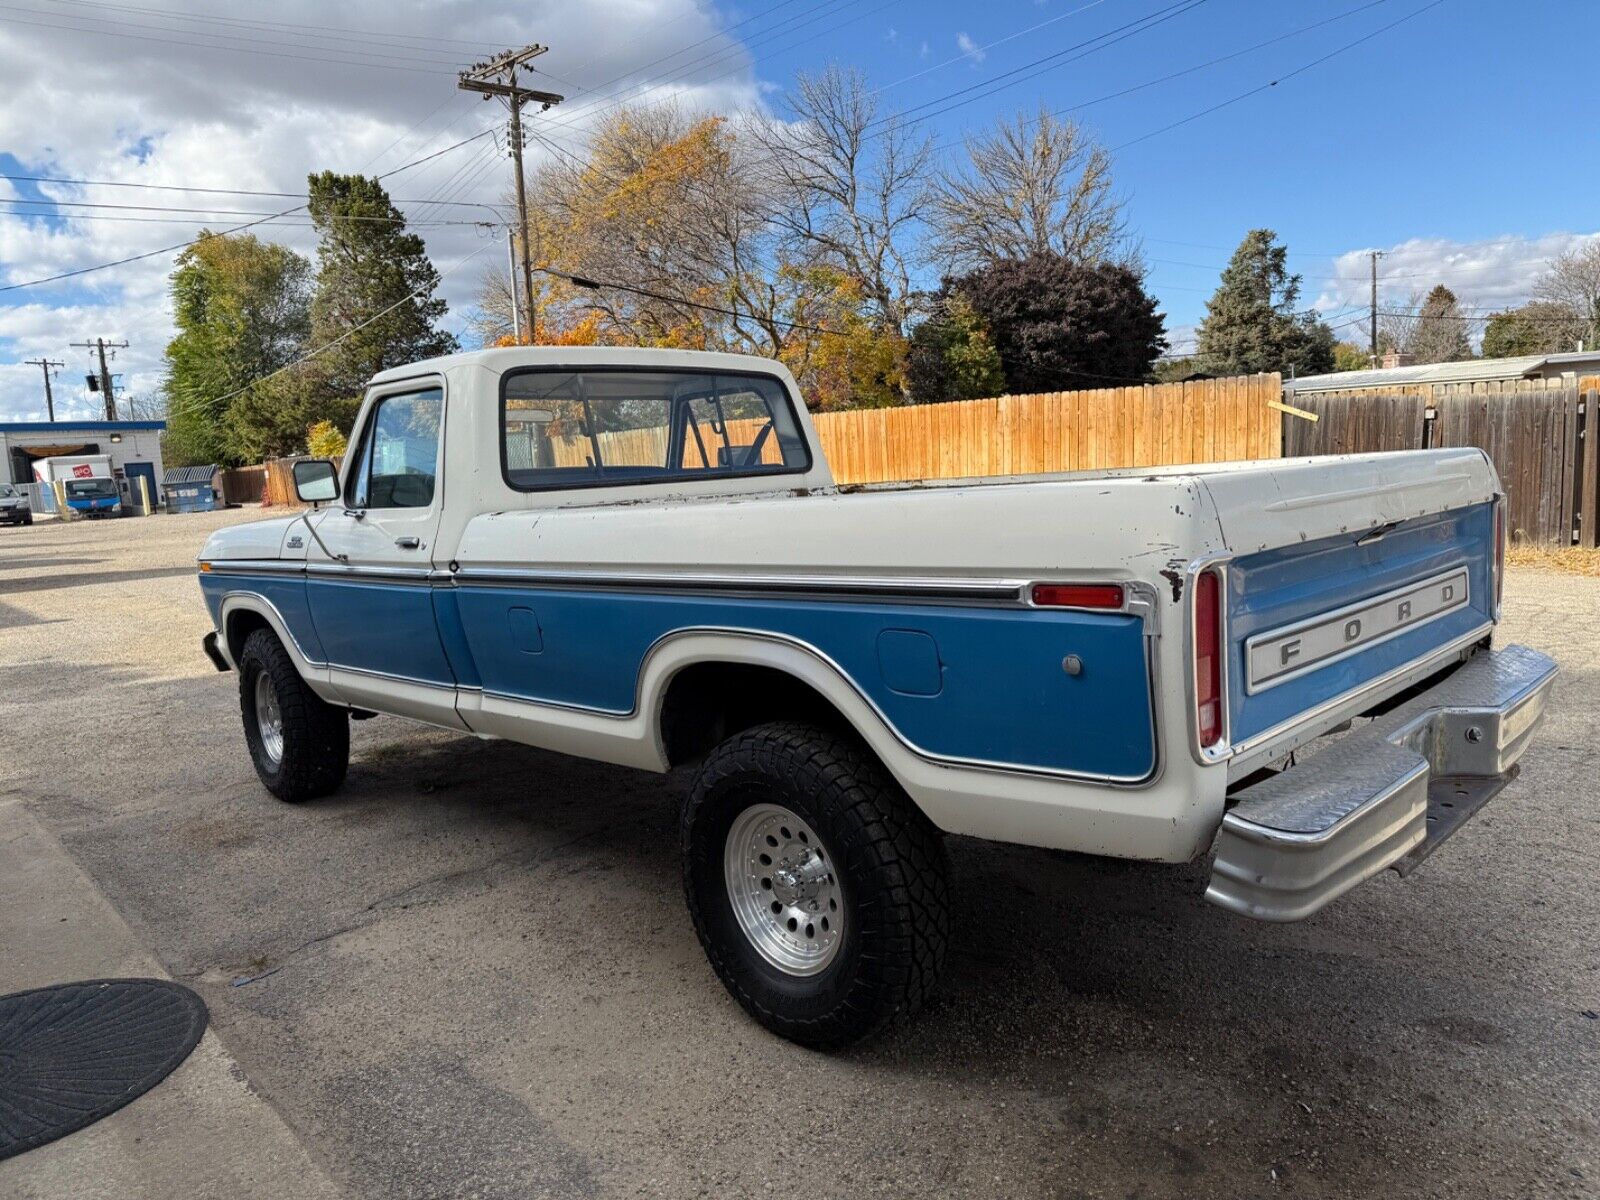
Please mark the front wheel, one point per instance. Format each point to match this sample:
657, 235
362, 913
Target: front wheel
300, 743
819, 891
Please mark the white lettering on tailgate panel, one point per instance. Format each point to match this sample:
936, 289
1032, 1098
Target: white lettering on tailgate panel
1285, 654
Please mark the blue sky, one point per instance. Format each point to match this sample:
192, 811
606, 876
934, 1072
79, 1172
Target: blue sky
1459, 141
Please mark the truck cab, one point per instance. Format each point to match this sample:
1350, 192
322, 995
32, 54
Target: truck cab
640, 557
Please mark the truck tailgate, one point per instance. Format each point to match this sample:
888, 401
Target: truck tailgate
1343, 572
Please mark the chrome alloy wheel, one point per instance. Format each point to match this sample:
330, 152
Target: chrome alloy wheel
783, 889
269, 719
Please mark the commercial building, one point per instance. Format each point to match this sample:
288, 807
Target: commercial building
133, 446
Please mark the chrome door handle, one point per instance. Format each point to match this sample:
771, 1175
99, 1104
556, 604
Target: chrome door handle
407, 543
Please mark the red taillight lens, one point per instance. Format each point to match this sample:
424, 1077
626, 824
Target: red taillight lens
1208, 658
1078, 595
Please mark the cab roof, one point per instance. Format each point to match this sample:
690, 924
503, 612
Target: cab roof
506, 358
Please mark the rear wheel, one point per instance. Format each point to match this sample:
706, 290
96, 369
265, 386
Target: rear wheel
819, 891
300, 744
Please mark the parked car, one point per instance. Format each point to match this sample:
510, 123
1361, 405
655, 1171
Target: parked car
640, 557
14, 506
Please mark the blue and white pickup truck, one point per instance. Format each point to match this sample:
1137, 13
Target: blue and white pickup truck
640, 557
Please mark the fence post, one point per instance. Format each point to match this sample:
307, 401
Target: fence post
1589, 466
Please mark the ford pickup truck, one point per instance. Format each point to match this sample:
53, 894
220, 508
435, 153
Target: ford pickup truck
640, 557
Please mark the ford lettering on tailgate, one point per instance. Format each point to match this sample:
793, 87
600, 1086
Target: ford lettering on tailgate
1285, 654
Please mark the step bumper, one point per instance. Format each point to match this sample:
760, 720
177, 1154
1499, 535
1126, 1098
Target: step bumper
1384, 796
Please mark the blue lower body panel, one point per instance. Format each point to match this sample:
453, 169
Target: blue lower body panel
968, 683
978, 684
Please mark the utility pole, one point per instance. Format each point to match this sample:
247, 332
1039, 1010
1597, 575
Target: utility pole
1375, 255
101, 346
49, 397
511, 251
485, 77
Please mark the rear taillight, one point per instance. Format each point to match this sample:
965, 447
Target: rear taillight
1208, 658
1499, 552
1078, 595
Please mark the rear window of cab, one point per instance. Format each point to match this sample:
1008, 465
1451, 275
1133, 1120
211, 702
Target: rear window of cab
587, 427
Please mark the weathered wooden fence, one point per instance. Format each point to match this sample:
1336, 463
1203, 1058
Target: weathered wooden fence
1540, 434
242, 485
1215, 420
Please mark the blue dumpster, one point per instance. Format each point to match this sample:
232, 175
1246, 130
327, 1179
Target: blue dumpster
190, 489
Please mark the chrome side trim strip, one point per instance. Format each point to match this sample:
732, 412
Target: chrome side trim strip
253, 566
409, 680
1005, 591
1141, 602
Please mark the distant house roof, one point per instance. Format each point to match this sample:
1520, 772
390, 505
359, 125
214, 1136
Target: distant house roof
1475, 370
78, 426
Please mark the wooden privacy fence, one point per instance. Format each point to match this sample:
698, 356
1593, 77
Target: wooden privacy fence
1539, 433
242, 485
1214, 420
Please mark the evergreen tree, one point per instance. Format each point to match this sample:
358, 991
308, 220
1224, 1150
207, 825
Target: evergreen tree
375, 287
1251, 324
1441, 332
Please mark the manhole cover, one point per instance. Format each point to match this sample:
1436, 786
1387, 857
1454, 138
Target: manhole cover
73, 1053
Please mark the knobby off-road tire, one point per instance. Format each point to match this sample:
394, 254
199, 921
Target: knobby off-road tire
868, 849
310, 756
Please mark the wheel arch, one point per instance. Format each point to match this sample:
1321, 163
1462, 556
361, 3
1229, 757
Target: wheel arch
242, 613
702, 686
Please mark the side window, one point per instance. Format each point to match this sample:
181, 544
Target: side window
564, 428
397, 462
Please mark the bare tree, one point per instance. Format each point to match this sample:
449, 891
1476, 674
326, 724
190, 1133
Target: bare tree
1032, 186
854, 186
1573, 283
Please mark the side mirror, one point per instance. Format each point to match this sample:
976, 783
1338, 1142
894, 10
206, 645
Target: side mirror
315, 480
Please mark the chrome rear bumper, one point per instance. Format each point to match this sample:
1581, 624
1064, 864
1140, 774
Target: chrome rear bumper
1384, 796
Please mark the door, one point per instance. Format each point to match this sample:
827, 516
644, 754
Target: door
146, 471
368, 565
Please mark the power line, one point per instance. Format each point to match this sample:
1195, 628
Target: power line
132, 258
570, 125
227, 212
1048, 62
345, 63
250, 42
584, 281
326, 346
327, 30
1300, 70
1212, 62
205, 191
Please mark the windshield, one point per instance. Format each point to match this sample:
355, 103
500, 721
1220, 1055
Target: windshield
91, 489
7, 490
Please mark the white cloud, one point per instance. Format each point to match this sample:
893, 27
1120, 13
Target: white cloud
970, 48
204, 116
1491, 274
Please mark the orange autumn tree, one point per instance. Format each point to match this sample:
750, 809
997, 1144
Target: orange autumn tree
681, 210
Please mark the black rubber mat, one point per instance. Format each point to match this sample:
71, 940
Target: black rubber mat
76, 1052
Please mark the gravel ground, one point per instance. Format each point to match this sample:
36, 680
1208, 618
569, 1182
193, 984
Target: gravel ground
470, 973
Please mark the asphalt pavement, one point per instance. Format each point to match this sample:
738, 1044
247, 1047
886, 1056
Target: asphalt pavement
470, 973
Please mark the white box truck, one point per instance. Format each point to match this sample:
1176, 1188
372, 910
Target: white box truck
87, 486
